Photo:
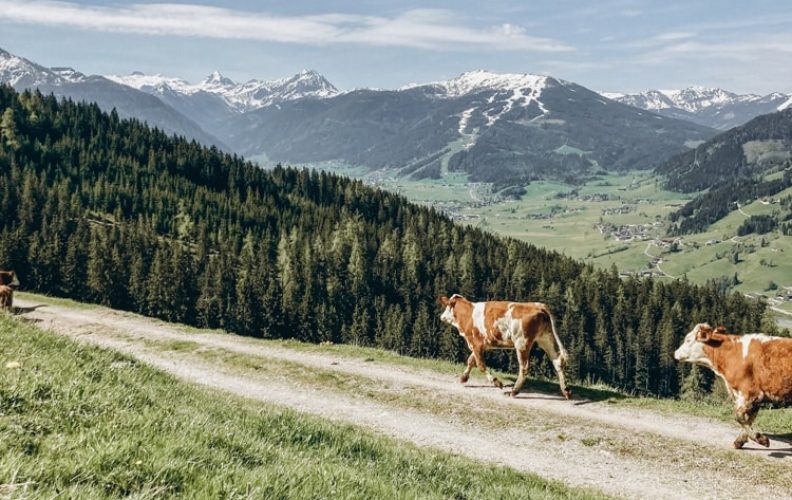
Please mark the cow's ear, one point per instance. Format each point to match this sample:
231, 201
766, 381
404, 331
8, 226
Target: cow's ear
704, 332
721, 329
442, 300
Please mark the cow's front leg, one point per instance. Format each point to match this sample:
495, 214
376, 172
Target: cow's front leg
746, 413
522, 358
483, 368
471, 362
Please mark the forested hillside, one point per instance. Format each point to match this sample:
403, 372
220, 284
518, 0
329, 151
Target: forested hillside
733, 167
697, 214
106, 210
745, 152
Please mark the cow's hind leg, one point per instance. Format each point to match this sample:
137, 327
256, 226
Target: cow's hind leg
523, 358
547, 343
470, 363
745, 416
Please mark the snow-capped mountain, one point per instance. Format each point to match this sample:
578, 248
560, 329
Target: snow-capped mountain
240, 97
23, 74
19, 72
482, 80
712, 107
511, 90
504, 128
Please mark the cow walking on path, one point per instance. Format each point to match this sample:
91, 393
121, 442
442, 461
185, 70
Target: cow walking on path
756, 368
505, 325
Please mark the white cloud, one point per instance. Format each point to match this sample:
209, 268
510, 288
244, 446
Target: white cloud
674, 35
424, 28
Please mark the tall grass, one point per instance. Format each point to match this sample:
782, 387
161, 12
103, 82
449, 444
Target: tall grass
81, 422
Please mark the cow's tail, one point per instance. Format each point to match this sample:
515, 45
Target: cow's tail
562, 353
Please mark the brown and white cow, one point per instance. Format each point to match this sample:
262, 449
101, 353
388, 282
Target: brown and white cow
505, 325
9, 278
756, 368
8, 283
6, 297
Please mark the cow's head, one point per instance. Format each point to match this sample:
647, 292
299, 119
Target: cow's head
448, 315
692, 349
9, 278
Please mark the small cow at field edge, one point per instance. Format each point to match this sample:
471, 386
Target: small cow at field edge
9, 278
8, 282
756, 368
6, 297
505, 325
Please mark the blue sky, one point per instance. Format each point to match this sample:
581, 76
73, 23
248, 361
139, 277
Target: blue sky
615, 45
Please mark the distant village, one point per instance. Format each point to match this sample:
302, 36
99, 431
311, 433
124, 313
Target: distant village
629, 232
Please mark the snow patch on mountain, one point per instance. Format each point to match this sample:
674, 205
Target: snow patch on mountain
507, 91
241, 97
15, 70
152, 83
691, 99
785, 104
481, 80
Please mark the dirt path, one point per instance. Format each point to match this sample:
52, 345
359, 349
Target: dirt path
541, 453
657, 265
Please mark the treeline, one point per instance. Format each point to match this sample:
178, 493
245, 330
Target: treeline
107, 210
697, 214
759, 224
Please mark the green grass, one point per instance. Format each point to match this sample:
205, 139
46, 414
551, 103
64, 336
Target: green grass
82, 422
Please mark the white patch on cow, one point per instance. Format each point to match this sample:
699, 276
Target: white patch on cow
448, 317
739, 399
478, 318
746, 341
692, 350
504, 324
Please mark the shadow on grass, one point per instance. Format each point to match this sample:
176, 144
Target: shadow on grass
580, 394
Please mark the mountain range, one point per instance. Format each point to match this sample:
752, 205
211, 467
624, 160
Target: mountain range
711, 107
21, 74
497, 127
503, 128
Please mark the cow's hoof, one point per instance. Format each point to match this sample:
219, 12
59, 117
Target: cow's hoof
498, 383
739, 443
463, 379
567, 394
512, 394
762, 439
